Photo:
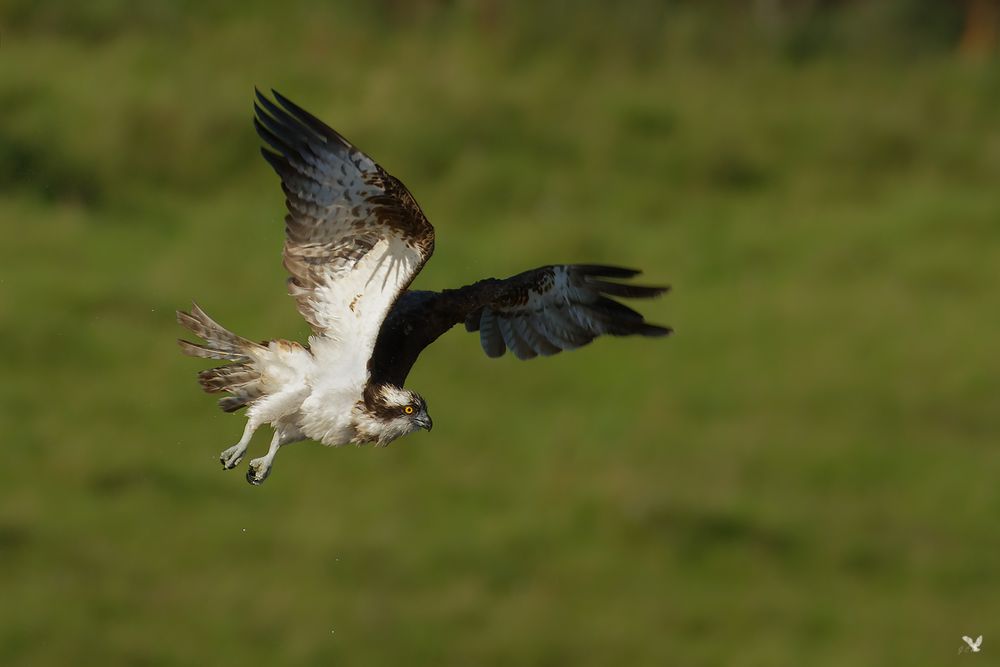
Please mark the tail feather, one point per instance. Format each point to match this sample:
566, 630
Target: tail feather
220, 343
193, 350
232, 403
241, 379
226, 378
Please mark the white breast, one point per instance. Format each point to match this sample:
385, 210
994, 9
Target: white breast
341, 356
327, 414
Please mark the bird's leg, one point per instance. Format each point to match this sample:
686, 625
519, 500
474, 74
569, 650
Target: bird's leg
232, 456
259, 469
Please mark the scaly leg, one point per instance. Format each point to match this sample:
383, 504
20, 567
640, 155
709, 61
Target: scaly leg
232, 456
259, 469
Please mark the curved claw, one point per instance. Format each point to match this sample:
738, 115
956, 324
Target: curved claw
257, 472
232, 457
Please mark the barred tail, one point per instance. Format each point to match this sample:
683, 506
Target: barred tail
242, 379
220, 343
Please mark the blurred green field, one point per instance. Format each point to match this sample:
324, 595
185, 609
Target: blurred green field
805, 474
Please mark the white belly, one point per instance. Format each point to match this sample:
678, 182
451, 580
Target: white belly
327, 416
318, 391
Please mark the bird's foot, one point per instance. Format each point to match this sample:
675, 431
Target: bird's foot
258, 471
232, 456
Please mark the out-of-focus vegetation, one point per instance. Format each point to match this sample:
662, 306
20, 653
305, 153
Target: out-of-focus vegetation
806, 474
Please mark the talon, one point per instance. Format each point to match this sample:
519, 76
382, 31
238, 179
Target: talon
255, 475
232, 457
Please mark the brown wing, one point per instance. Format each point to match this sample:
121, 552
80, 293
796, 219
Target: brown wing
556, 308
354, 236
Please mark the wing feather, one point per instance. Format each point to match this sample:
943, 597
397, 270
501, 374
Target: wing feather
530, 328
490, 336
513, 339
554, 332
538, 312
522, 327
555, 308
354, 235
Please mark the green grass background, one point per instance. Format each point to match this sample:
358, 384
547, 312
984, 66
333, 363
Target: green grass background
805, 474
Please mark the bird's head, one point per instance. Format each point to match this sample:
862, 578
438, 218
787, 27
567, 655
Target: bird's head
398, 411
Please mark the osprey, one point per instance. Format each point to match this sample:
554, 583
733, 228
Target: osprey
355, 238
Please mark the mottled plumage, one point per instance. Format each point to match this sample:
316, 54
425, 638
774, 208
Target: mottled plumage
354, 240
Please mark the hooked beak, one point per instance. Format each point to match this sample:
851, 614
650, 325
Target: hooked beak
424, 421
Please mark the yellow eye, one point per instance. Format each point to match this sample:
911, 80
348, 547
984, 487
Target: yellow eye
408, 409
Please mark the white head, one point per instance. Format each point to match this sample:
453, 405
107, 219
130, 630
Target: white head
392, 412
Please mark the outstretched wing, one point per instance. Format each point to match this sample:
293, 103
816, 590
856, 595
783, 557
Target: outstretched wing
556, 308
354, 236
538, 312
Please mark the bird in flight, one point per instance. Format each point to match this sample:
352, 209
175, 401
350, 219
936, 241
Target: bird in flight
355, 238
